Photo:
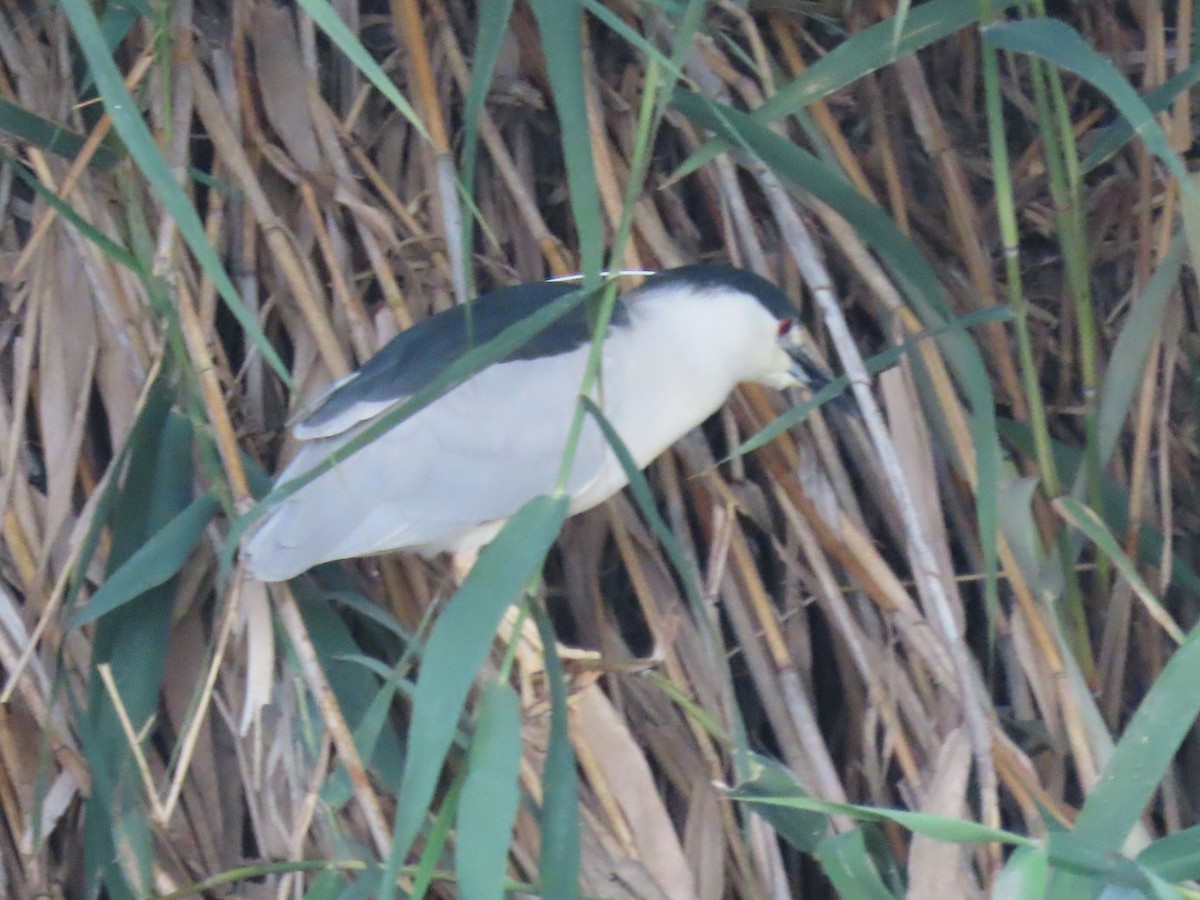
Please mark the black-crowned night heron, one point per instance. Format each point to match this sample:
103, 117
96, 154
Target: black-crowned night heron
448, 477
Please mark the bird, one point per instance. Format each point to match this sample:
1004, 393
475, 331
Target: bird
447, 478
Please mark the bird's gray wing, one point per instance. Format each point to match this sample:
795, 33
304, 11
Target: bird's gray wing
414, 358
475, 455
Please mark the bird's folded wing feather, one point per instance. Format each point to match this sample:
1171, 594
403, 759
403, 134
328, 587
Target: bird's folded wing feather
475, 455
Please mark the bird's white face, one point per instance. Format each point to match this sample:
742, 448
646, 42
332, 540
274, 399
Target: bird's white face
781, 369
734, 333
777, 365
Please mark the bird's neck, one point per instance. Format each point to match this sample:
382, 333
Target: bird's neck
668, 373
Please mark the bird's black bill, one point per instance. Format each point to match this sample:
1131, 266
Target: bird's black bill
819, 380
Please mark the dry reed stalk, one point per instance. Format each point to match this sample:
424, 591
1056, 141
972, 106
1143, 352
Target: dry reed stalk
839, 607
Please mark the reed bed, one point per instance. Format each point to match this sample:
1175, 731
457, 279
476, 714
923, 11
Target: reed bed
941, 646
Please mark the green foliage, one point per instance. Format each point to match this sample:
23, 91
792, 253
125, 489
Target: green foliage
487, 807
129, 125
859, 55
456, 648
49, 136
558, 875
559, 22
160, 558
489, 39
132, 640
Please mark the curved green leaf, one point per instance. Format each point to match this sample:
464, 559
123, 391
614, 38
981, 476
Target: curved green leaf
1024, 876
114, 251
869, 50
802, 828
1123, 375
558, 869
426, 869
875, 364
132, 639
489, 39
131, 127
50, 136
644, 497
1060, 44
1140, 760
326, 17
826, 184
458, 644
1093, 526
154, 562
559, 22
1175, 857
487, 806
1120, 132
847, 861
954, 831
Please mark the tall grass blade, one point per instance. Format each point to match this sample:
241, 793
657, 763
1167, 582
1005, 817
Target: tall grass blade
107, 245
487, 807
1060, 44
560, 23
353, 686
868, 51
954, 831
1175, 857
1091, 525
837, 387
558, 870
826, 184
425, 871
644, 497
489, 40
457, 646
803, 829
50, 136
132, 639
1163, 719
326, 17
128, 123
912, 271
1120, 132
1128, 358
847, 862
157, 560
1025, 876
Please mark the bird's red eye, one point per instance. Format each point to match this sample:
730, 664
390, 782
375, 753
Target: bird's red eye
785, 326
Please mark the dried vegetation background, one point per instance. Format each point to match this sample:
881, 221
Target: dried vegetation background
165, 723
